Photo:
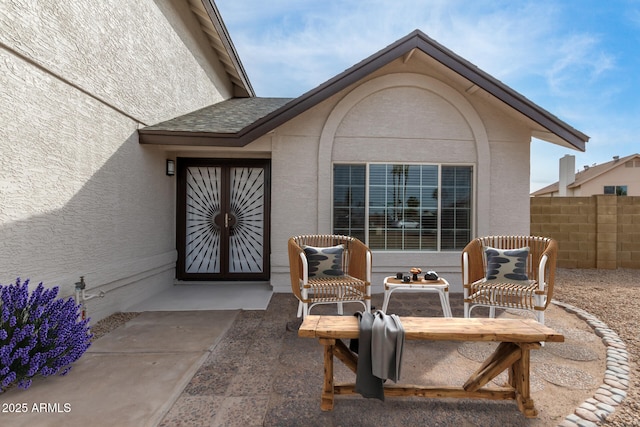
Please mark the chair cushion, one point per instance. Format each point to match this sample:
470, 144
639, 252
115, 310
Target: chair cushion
507, 265
324, 262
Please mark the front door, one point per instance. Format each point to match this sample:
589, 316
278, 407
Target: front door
223, 219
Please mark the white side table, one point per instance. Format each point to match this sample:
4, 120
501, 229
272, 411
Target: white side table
441, 286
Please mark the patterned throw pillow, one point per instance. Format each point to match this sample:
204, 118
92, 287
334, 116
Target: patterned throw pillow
324, 262
507, 265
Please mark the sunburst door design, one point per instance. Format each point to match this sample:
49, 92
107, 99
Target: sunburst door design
202, 254
247, 220
223, 219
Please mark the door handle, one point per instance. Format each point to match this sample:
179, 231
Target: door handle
226, 220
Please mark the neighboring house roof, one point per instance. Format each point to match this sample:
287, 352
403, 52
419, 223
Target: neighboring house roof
587, 174
162, 133
212, 25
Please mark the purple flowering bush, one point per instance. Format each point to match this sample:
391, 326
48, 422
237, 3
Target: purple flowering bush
39, 334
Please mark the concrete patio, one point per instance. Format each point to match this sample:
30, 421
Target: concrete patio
249, 368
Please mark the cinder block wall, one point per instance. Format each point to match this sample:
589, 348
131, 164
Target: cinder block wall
628, 232
592, 232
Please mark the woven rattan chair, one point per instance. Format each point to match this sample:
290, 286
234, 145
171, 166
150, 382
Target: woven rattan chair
352, 286
533, 294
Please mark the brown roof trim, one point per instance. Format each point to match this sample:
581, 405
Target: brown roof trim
415, 40
225, 40
200, 139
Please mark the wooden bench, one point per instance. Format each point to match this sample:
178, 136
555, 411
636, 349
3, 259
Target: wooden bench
516, 336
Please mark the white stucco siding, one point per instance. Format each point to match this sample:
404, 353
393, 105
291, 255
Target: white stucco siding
294, 195
368, 149
509, 188
118, 51
404, 112
294, 169
401, 117
78, 194
404, 124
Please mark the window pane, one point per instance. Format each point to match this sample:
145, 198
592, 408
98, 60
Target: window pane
377, 196
341, 196
410, 206
412, 197
456, 207
341, 175
447, 240
429, 197
413, 175
358, 176
609, 189
378, 175
448, 176
463, 177
430, 176
349, 200
377, 218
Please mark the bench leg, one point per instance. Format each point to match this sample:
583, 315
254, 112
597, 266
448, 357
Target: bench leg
519, 378
342, 352
504, 357
326, 403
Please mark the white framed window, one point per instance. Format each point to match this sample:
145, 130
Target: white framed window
404, 207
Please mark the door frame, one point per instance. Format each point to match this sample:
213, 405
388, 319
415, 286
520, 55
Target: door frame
182, 163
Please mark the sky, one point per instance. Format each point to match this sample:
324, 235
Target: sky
578, 59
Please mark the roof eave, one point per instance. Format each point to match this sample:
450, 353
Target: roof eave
501, 91
552, 137
240, 79
181, 138
559, 131
309, 99
418, 40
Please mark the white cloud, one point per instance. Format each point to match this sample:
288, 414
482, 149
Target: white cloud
304, 44
536, 47
579, 61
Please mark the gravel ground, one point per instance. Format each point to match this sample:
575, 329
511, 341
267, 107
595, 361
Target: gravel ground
613, 296
106, 325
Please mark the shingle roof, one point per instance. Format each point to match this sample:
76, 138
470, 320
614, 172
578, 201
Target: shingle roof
226, 117
168, 133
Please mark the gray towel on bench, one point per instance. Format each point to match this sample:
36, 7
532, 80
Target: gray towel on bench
387, 342
379, 348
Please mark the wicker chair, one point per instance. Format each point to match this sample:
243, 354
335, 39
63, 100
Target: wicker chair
534, 294
353, 286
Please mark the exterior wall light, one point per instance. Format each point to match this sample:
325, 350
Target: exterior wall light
171, 167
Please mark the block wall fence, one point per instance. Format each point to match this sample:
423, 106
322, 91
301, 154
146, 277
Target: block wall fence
592, 232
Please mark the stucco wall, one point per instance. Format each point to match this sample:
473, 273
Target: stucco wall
79, 195
621, 175
397, 117
137, 56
